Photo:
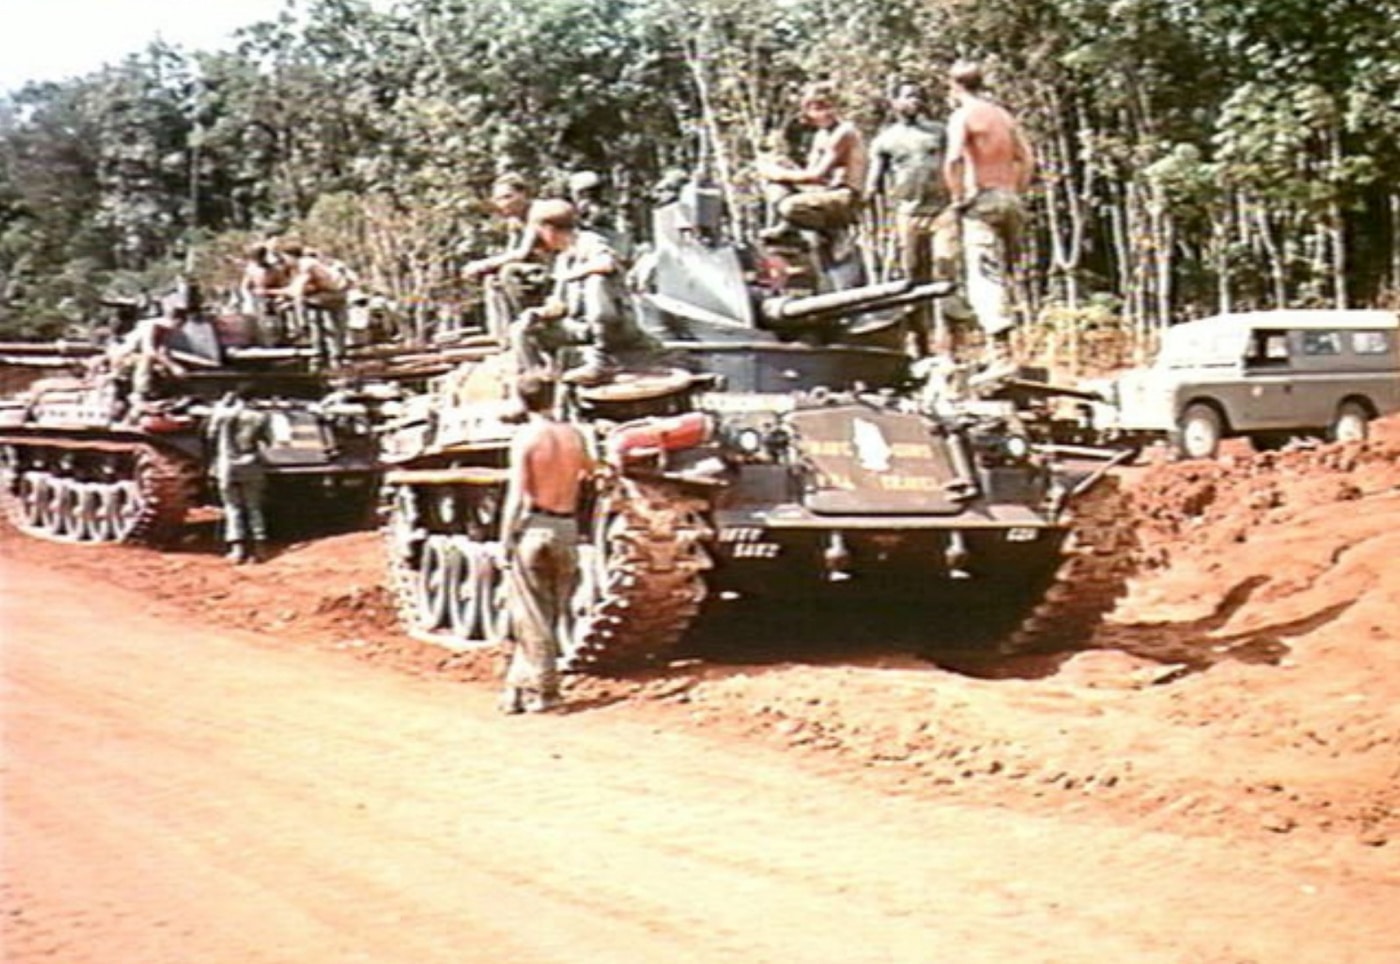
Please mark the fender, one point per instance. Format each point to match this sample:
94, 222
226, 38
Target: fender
650, 435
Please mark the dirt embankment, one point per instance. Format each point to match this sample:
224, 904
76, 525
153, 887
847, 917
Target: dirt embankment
1248, 679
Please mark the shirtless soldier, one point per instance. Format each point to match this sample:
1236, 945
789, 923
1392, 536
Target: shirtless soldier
548, 463
824, 194
511, 273
264, 273
320, 299
989, 164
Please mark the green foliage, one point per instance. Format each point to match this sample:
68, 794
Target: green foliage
1188, 148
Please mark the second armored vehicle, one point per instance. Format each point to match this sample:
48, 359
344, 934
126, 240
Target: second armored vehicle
80, 462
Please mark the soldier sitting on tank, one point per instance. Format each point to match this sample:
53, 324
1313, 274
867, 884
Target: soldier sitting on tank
596, 212
516, 271
825, 194
240, 436
588, 308
144, 357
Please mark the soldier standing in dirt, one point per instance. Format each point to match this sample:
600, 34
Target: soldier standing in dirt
823, 195
989, 165
240, 435
548, 463
906, 171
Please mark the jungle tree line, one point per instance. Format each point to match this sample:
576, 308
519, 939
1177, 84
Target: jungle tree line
1195, 155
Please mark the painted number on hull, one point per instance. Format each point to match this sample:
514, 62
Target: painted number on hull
755, 550
1021, 535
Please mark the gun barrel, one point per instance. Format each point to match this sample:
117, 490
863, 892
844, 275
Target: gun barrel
891, 294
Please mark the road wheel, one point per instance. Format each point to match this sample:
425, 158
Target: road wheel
89, 512
33, 491
433, 576
124, 508
50, 490
104, 525
1199, 432
1352, 423
473, 608
66, 499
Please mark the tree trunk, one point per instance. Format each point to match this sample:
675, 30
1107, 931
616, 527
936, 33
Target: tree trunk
1275, 263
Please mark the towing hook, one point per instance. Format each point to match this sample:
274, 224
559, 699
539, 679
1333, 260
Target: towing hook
837, 559
956, 556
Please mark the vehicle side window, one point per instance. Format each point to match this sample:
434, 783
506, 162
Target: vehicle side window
1322, 343
1267, 349
1370, 342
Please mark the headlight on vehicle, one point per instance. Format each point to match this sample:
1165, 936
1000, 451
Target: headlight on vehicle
1017, 447
750, 441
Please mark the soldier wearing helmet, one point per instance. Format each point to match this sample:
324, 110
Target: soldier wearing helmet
588, 307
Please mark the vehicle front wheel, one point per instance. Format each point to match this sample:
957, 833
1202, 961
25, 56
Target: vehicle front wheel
1352, 423
1199, 432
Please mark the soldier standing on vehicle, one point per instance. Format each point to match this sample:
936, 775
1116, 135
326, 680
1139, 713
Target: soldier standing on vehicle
539, 529
823, 195
264, 273
989, 165
906, 172
240, 435
320, 300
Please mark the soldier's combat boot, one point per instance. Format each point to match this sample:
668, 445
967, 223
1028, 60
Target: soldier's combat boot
512, 701
541, 702
258, 553
591, 373
237, 553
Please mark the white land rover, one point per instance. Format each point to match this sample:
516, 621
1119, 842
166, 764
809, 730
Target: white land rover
1268, 375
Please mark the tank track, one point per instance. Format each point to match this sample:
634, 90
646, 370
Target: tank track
647, 590
166, 484
1090, 579
401, 578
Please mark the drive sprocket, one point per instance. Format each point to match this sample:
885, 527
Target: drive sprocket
642, 575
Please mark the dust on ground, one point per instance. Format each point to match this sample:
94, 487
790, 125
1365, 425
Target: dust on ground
1246, 682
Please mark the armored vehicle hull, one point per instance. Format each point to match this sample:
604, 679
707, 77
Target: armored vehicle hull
780, 451
78, 464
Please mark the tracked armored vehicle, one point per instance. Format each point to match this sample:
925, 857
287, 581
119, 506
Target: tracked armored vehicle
782, 452
80, 462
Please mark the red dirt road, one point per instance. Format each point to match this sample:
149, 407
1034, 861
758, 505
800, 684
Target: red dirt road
176, 793
199, 763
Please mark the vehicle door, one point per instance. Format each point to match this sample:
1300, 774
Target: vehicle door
1326, 373
1266, 393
